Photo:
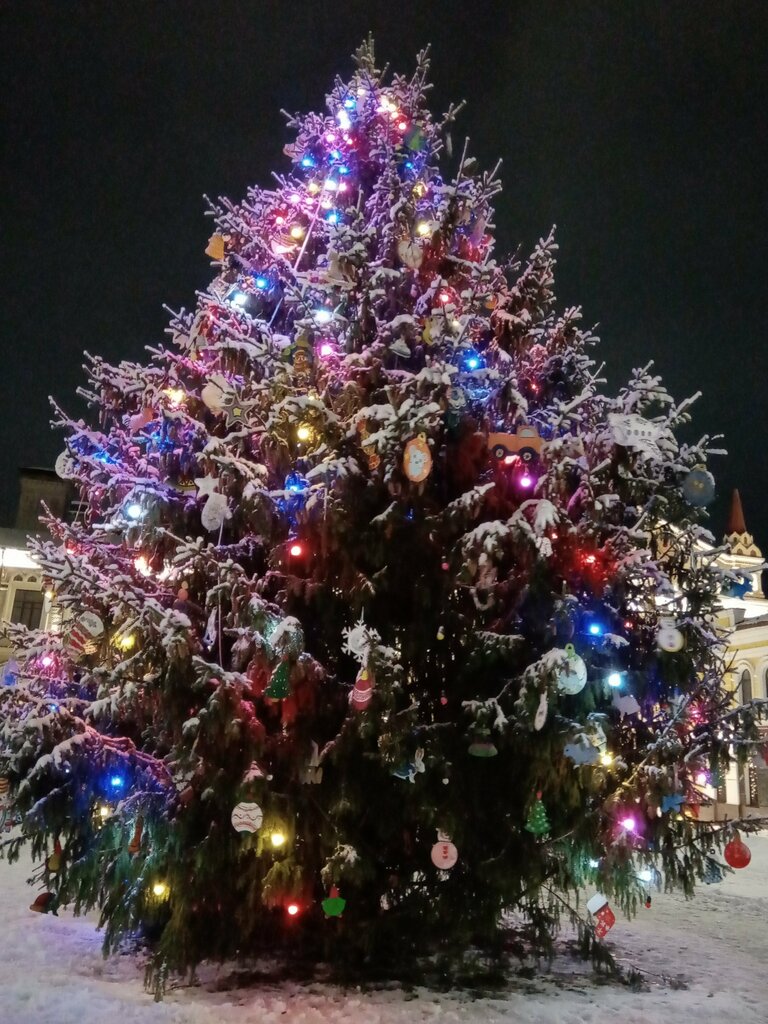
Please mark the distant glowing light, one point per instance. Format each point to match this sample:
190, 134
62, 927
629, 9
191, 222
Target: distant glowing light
350, 103
402, 125
126, 641
104, 811
175, 396
313, 187
294, 198
333, 217
46, 661
343, 118
645, 875
343, 169
142, 565
614, 679
702, 779
473, 362
330, 185
590, 559
594, 863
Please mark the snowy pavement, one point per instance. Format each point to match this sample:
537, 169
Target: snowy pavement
52, 972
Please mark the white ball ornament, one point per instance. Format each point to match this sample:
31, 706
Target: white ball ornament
444, 853
669, 638
247, 817
573, 676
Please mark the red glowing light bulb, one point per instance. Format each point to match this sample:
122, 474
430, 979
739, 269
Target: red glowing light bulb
296, 550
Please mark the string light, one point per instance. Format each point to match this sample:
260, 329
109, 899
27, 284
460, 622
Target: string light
142, 565
615, 679
296, 550
323, 316
277, 839
160, 889
104, 811
422, 228
117, 782
175, 396
606, 760
134, 510
126, 642
292, 909
628, 824
297, 232
304, 432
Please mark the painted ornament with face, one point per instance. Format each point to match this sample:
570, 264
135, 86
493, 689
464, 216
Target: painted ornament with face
669, 638
444, 854
417, 460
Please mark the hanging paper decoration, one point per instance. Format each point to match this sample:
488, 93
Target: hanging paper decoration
9, 673
672, 802
538, 822
217, 392
313, 772
582, 752
215, 512
53, 862
362, 692
333, 905
215, 247
634, 432
399, 347
358, 640
737, 854
82, 638
45, 903
541, 713
417, 460
411, 769
371, 455
444, 854
669, 638
626, 704
525, 443
604, 917
280, 682
410, 253
573, 676
135, 844
699, 487
482, 745
247, 817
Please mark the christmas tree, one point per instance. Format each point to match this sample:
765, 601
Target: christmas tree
363, 554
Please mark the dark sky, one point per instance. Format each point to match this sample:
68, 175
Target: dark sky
637, 126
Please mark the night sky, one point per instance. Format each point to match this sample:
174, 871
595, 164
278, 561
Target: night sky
638, 127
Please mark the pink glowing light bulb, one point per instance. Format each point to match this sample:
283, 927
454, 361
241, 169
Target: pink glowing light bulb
628, 824
526, 480
46, 661
326, 349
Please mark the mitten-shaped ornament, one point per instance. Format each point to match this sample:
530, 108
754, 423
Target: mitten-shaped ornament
603, 916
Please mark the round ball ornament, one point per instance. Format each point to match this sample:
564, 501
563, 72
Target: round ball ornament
737, 854
573, 676
699, 487
444, 854
333, 905
247, 817
417, 460
669, 638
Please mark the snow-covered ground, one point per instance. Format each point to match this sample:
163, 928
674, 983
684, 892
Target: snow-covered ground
52, 972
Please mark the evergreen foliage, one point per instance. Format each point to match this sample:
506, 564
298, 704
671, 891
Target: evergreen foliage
411, 497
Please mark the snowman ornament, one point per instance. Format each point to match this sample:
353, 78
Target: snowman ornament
444, 854
669, 638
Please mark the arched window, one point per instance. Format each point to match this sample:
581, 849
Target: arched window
745, 686
765, 683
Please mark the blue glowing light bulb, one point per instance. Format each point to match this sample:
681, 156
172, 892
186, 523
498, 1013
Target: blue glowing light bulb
261, 282
333, 217
117, 782
614, 679
307, 161
595, 629
472, 363
350, 102
238, 298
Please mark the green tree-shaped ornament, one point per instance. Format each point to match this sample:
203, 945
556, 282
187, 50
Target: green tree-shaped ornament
538, 822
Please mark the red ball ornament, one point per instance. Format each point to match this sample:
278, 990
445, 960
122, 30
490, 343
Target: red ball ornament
737, 854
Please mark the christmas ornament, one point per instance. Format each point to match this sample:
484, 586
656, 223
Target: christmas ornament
538, 822
371, 455
672, 802
699, 487
582, 752
358, 640
737, 854
713, 873
456, 399
215, 512
280, 682
135, 844
400, 348
9, 673
573, 676
215, 247
626, 704
313, 772
417, 460
541, 713
45, 903
83, 636
333, 905
53, 862
410, 253
444, 854
634, 432
247, 817
604, 917
65, 466
5, 787
669, 638
526, 443
362, 692
411, 769
206, 486
217, 392
482, 745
